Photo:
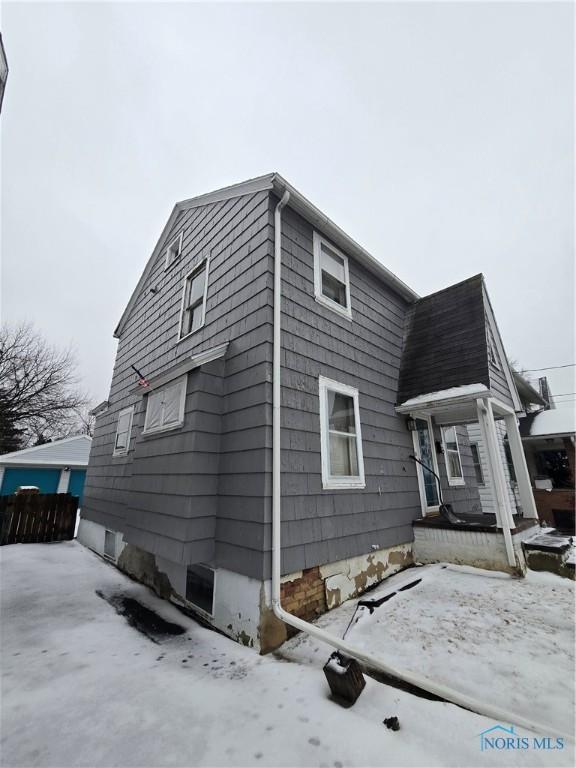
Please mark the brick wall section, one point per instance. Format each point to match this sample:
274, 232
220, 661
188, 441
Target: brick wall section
557, 499
305, 597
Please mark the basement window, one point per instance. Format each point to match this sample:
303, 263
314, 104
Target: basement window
331, 278
200, 587
123, 430
165, 406
174, 250
477, 463
452, 456
193, 312
340, 437
110, 544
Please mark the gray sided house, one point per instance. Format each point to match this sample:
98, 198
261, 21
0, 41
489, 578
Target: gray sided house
179, 484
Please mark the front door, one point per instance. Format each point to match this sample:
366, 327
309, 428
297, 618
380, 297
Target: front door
424, 447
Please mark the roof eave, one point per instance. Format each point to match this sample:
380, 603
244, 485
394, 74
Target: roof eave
309, 211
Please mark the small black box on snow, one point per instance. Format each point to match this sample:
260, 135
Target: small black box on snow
344, 677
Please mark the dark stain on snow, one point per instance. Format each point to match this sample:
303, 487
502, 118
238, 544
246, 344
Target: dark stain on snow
146, 621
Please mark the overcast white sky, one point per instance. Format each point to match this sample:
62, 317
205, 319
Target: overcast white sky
440, 136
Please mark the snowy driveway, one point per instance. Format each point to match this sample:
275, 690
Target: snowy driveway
81, 687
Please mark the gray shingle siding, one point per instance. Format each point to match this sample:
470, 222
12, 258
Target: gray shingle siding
170, 495
319, 525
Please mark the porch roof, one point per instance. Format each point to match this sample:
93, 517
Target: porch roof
455, 405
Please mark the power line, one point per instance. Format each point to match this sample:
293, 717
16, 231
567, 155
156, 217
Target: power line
550, 368
562, 394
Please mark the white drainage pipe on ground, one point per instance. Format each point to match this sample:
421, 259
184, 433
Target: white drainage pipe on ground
444, 692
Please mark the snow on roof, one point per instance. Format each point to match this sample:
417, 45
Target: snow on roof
466, 390
557, 421
72, 451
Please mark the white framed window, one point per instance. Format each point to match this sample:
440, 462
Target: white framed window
165, 406
452, 456
193, 311
477, 463
340, 436
331, 278
123, 431
174, 250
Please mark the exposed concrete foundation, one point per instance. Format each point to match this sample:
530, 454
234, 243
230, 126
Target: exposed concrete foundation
480, 549
242, 606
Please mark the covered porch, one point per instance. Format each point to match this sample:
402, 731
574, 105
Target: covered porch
488, 541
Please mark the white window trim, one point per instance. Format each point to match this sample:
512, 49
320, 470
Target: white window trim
197, 268
329, 481
203, 611
169, 262
318, 241
452, 480
124, 451
426, 509
183, 382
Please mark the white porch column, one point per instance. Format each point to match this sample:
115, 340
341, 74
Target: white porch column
504, 517
520, 467
64, 481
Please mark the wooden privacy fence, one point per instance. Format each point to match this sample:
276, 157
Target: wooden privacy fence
34, 518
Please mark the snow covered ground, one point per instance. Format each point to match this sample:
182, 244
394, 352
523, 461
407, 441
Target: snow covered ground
81, 687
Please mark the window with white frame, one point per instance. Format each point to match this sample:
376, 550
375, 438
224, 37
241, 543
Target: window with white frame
165, 407
123, 431
193, 311
340, 436
331, 279
477, 463
452, 456
174, 250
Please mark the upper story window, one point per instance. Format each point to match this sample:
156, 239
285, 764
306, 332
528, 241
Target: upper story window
331, 279
340, 436
174, 250
165, 406
123, 431
452, 456
193, 312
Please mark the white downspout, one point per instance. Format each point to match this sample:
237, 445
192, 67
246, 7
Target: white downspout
480, 707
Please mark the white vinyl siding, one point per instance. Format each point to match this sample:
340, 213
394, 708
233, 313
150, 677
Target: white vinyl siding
340, 436
123, 431
452, 456
193, 312
165, 407
331, 278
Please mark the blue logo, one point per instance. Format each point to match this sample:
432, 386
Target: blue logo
501, 737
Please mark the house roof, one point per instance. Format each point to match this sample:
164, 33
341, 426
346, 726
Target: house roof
276, 183
71, 451
526, 391
553, 423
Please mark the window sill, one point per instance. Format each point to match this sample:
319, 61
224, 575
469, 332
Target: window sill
458, 481
162, 430
183, 338
345, 313
332, 485
122, 455
173, 263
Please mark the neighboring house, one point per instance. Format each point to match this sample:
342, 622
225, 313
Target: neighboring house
57, 467
548, 437
224, 415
